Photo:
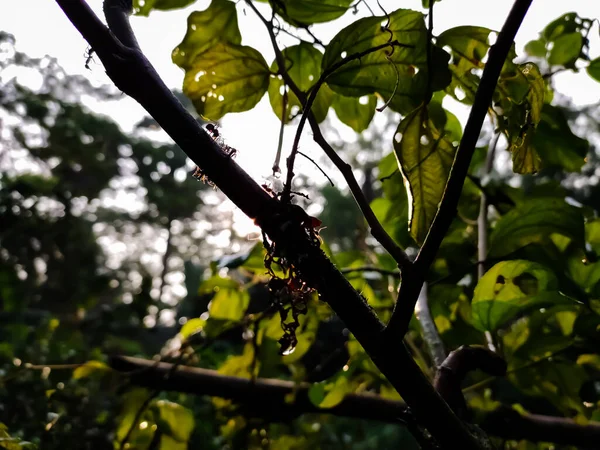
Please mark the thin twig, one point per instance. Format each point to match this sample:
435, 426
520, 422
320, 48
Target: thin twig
276, 167
482, 223
447, 211
317, 166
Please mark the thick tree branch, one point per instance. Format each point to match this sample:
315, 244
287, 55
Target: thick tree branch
134, 75
443, 219
268, 396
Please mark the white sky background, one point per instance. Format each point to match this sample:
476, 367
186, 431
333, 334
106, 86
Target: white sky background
41, 28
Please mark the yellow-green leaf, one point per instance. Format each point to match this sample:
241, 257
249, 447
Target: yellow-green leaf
510, 288
205, 28
229, 304
425, 157
226, 78
174, 420
91, 368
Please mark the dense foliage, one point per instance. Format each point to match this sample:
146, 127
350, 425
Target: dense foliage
85, 277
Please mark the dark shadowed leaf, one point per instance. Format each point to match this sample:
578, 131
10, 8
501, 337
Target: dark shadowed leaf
425, 157
226, 78
555, 142
510, 288
533, 221
204, 29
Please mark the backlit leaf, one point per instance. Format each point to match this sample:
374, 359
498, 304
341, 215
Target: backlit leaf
174, 420
306, 12
425, 157
566, 49
205, 28
330, 393
401, 73
357, 113
229, 304
226, 78
593, 69
304, 67
509, 288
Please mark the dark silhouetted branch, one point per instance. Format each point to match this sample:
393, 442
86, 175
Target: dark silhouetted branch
269, 396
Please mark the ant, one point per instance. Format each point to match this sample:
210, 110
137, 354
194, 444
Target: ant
213, 130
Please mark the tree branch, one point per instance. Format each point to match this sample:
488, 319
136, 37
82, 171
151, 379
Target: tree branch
134, 75
443, 219
268, 396
430, 331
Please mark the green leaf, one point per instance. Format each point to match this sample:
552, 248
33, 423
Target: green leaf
306, 12
566, 50
400, 74
91, 368
533, 221
593, 69
330, 393
191, 327
174, 420
226, 78
425, 157
204, 29
143, 7
229, 304
357, 113
468, 45
509, 288
555, 142
536, 48
304, 67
